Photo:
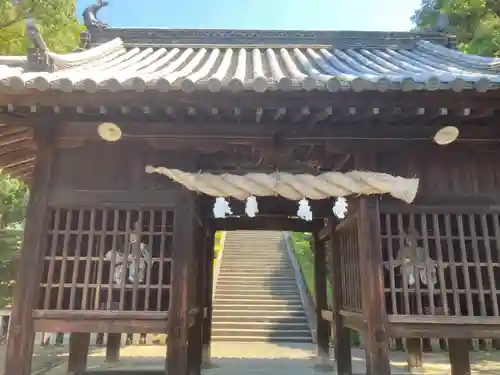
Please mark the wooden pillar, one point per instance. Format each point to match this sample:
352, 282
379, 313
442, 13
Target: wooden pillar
195, 342
178, 321
208, 298
113, 344
342, 333
79, 343
376, 340
414, 349
320, 290
459, 356
21, 335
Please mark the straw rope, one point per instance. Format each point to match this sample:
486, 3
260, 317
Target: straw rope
294, 186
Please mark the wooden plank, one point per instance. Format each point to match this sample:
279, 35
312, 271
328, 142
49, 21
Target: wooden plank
100, 321
21, 335
414, 349
244, 100
444, 327
373, 299
320, 287
113, 344
195, 344
444, 320
272, 206
459, 356
79, 343
78, 315
98, 325
208, 289
263, 222
177, 354
342, 331
327, 315
110, 198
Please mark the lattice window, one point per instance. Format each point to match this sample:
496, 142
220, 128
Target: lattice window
346, 238
108, 259
451, 266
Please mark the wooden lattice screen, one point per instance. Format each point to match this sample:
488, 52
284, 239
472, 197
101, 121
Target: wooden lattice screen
85, 263
346, 240
463, 256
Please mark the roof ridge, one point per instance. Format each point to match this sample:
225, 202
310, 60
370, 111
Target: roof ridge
337, 38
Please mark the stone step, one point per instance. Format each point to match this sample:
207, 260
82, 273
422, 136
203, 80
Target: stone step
260, 274
259, 285
222, 338
263, 296
256, 302
255, 289
256, 297
255, 265
261, 332
249, 277
276, 319
254, 260
244, 268
259, 308
261, 325
225, 311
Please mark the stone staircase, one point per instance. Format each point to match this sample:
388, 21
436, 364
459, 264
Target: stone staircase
256, 296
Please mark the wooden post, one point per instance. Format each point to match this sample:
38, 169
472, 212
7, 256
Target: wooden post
195, 343
342, 333
21, 335
376, 340
177, 340
208, 299
414, 349
79, 343
320, 289
113, 343
459, 356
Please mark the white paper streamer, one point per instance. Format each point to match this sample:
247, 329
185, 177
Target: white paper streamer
221, 208
251, 207
304, 210
340, 207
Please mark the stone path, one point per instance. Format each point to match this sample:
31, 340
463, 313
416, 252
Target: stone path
44, 358
273, 359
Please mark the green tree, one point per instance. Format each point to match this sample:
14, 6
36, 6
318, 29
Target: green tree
13, 201
54, 18
476, 23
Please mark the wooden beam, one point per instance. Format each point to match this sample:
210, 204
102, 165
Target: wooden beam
244, 100
459, 356
21, 335
183, 247
273, 206
79, 343
372, 293
320, 287
208, 299
276, 223
264, 131
195, 343
342, 332
27, 144
113, 344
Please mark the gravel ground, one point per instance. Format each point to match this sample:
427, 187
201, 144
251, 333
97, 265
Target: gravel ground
273, 359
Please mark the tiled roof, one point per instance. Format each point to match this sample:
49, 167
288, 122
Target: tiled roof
112, 66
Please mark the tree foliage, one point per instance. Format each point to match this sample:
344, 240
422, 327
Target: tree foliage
54, 18
13, 202
476, 23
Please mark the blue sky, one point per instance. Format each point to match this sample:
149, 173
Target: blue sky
383, 15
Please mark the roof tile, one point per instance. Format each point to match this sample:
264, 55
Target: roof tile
114, 67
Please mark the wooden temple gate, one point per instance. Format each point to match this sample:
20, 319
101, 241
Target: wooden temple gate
110, 248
